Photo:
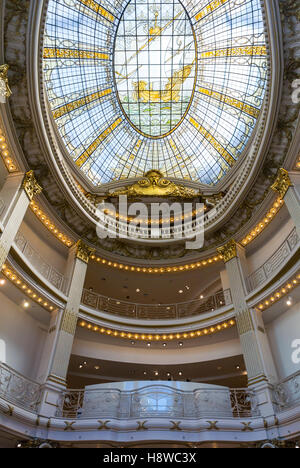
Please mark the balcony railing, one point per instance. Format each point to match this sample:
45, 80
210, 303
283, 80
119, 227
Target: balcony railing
158, 400
274, 263
50, 273
287, 392
156, 312
19, 390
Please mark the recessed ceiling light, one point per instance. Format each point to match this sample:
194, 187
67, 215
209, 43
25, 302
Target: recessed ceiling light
201, 297
156, 373
180, 373
81, 366
145, 373
180, 291
168, 374
148, 344
133, 342
180, 343
2, 282
138, 290
164, 345
97, 367
187, 287
238, 367
26, 304
289, 302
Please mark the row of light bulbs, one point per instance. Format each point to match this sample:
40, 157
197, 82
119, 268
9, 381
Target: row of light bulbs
160, 270
264, 222
158, 337
50, 225
5, 154
280, 293
27, 290
128, 219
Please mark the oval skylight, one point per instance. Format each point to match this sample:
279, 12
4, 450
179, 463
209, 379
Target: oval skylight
110, 69
155, 65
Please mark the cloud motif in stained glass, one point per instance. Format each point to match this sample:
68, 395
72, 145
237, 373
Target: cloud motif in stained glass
155, 65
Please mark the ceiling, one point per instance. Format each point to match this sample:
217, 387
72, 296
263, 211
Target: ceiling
140, 85
148, 289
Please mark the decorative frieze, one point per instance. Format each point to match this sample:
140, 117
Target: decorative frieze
69, 322
244, 322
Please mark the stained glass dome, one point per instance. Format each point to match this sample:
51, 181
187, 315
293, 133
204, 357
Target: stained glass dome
173, 85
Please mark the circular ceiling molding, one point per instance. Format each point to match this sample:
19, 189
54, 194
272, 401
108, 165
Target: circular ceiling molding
139, 85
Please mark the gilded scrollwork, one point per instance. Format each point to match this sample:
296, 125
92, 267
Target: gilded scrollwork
5, 91
154, 184
228, 251
282, 182
31, 186
83, 251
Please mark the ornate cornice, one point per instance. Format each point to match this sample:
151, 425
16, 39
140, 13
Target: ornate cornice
282, 183
83, 251
30, 185
228, 251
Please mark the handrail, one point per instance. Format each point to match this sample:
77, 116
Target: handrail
159, 311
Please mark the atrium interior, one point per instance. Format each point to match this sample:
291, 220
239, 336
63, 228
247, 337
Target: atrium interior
149, 224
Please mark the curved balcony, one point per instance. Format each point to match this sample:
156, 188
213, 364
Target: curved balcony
274, 263
157, 400
167, 411
19, 390
49, 273
156, 312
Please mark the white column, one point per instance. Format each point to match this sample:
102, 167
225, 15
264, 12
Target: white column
287, 185
254, 342
16, 195
58, 349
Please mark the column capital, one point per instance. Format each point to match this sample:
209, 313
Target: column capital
30, 185
5, 91
83, 251
228, 251
282, 182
